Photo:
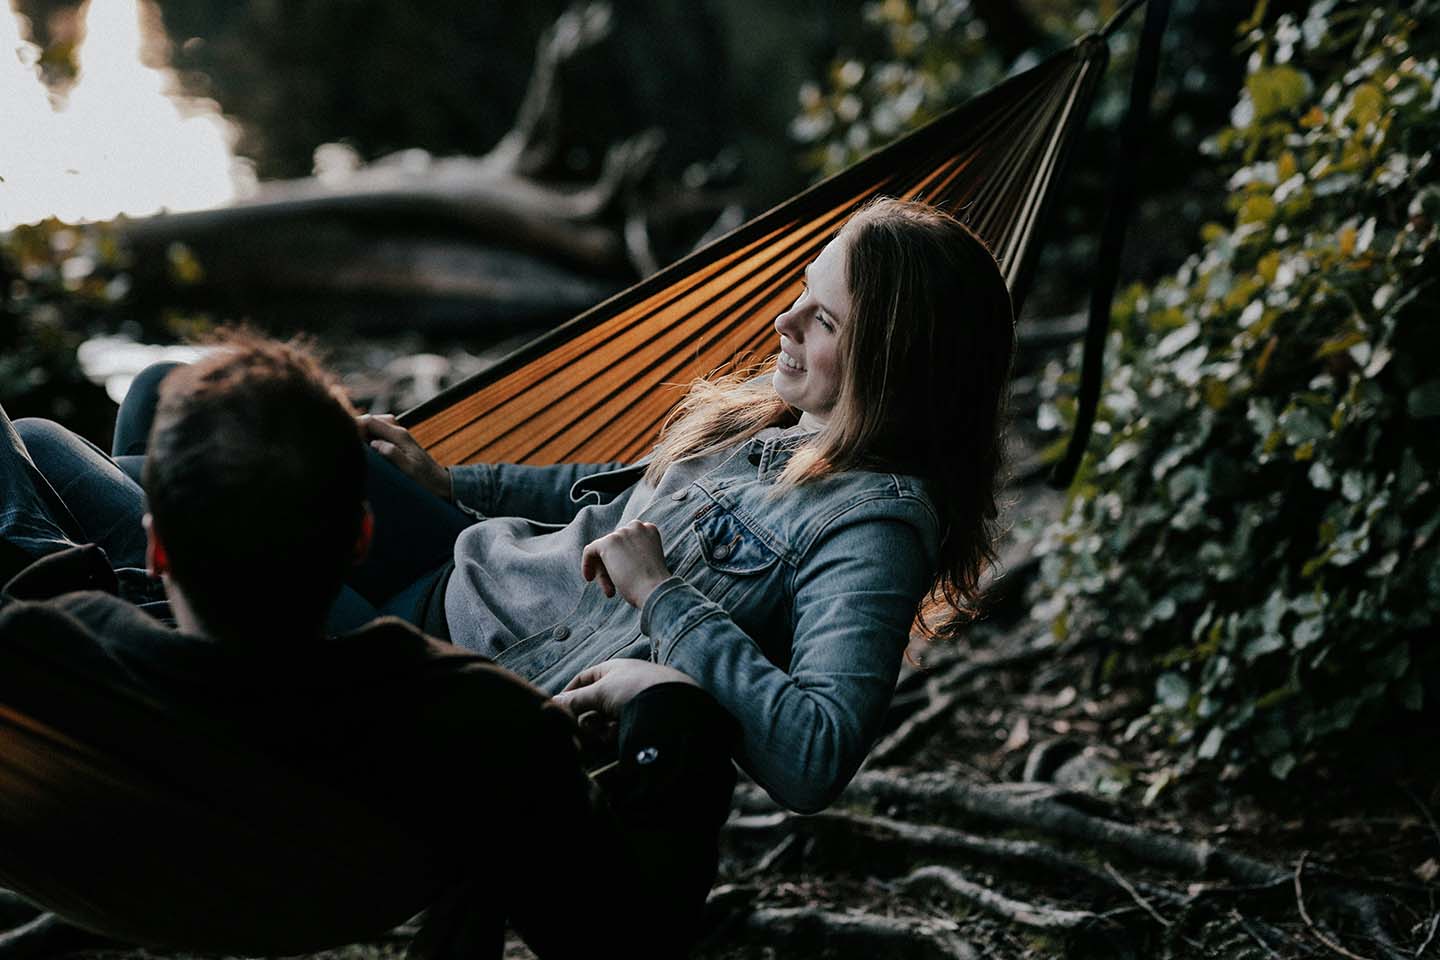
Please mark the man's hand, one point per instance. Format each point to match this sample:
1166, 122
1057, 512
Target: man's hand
629, 561
606, 687
394, 443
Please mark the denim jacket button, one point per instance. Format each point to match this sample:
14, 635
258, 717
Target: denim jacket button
647, 756
559, 633
721, 552
679, 495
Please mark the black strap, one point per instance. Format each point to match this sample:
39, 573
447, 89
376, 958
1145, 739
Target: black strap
1112, 235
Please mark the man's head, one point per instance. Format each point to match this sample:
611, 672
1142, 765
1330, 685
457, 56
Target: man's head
255, 476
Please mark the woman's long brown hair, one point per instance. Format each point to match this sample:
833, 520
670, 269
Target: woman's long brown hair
926, 354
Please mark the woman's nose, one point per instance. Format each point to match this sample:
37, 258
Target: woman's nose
785, 323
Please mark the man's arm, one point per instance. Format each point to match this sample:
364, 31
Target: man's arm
77, 568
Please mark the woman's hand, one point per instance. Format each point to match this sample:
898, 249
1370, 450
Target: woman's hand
606, 687
394, 443
630, 561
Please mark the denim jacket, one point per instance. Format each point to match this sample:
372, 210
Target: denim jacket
792, 608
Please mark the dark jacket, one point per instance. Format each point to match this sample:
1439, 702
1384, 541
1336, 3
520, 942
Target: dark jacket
443, 743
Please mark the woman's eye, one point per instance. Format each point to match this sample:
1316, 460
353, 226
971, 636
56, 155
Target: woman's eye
826, 322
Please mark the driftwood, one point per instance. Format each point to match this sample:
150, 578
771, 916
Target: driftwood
448, 242
491, 197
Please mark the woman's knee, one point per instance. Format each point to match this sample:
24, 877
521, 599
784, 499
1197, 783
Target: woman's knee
39, 434
53, 448
147, 382
137, 412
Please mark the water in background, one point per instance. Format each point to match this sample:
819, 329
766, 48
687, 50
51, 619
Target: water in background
120, 143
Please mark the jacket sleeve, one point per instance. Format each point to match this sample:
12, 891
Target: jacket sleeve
621, 870
805, 730
515, 490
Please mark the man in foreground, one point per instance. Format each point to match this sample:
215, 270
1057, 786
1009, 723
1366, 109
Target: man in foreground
255, 482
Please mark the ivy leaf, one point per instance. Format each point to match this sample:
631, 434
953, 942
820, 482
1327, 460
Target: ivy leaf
1302, 426
1210, 746
1365, 104
1173, 691
1307, 632
1256, 209
1424, 400
1261, 645
1277, 89
1282, 765
1176, 340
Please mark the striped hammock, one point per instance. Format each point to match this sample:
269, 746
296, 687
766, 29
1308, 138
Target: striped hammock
598, 387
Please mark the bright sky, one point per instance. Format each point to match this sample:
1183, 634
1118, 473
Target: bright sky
120, 144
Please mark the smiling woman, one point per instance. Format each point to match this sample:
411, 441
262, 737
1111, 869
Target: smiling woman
121, 143
778, 543
777, 546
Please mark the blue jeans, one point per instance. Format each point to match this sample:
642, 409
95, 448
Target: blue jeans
415, 531
58, 490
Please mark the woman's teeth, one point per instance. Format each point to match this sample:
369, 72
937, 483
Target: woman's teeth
790, 363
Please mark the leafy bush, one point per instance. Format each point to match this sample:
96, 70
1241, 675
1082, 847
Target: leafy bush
934, 57
1257, 517
61, 284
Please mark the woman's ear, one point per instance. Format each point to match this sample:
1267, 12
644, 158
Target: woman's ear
366, 536
157, 560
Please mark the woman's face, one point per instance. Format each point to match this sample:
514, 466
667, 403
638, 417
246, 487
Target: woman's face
807, 372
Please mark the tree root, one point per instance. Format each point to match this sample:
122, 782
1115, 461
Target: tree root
888, 846
1037, 916
945, 689
888, 750
1050, 810
49, 936
802, 931
842, 837
15, 910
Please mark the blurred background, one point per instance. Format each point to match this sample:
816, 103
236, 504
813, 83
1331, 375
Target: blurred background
422, 187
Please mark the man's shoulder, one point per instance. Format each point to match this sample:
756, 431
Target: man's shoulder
79, 630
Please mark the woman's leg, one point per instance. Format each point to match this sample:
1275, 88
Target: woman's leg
415, 532
105, 504
137, 412
414, 541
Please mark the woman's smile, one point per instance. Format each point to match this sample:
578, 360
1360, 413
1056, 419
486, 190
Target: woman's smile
787, 363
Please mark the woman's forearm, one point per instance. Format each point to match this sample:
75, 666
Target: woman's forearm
805, 730
517, 490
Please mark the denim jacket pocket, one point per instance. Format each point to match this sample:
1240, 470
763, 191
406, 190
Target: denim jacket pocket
729, 546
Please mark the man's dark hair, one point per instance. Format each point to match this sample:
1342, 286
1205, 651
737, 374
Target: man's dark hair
255, 476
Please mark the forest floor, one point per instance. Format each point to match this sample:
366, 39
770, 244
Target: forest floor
1006, 813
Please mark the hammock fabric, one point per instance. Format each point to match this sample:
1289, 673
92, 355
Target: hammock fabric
599, 387
145, 822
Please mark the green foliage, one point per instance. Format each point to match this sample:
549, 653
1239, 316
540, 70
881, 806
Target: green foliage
1257, 516
61, 284
935, 56
923, 57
